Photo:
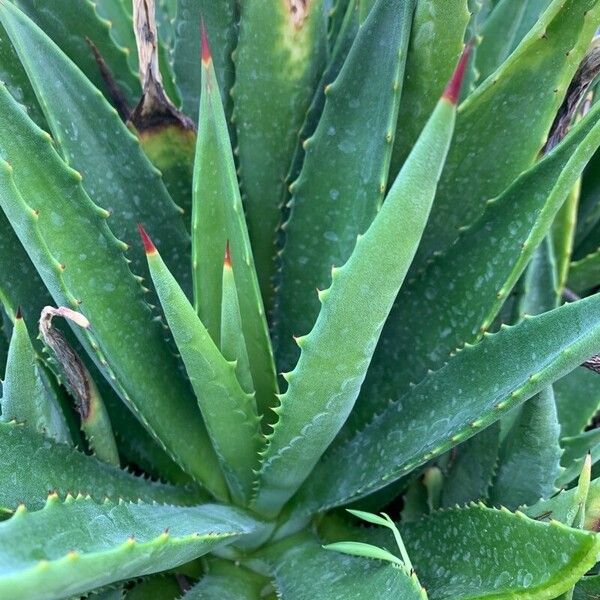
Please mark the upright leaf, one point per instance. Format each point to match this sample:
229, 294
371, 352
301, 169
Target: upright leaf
279, 58
530, 457
25, 397
220, 21
125, 341
475, 388
344, 177
229, 412
72, 546
528, 88
471, 471
459, 294
14, 76
78, 20
314, 407
584, 274
218, 219
436, 41
577, 400
503, 30
116, 174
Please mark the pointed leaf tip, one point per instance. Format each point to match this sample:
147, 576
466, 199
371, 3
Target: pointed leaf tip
227, 262
149, 246
18, 314
452, 91
206, 55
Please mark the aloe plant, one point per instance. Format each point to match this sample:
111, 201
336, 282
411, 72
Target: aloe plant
299, 299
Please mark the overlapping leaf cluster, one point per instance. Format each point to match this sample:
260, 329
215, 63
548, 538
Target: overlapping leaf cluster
260, 262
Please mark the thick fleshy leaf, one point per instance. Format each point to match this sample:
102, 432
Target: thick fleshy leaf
229, 412
71, 546
314, 407
345, 172
577, 400
118, 13
507, 25
279, 58
124, 340
530, 458
305, 571
116, 174
78, 20
563, 507
14, 76
460, 292
472, 469
436, 42
227, 581
584, 274
65, 470
218, 221
25, 394
528, 88
344, 40
220, 22
475, 388
478, 552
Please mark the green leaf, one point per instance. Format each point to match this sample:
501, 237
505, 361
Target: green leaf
229, 412
25, 397
124, 340
584, 274
528, 88
475, 388
345, 171
278, 60
157, 587
478, 552
69, 547
69, 23
563, 507
233, 345
119, 15
65, 470
587, 238
530, 456
577, 400
503, 30
471, 471
336, 576
314, 407
218, 219
116, 174
14, 76
588, 588
220, 21
576, 449
339, 53
563, 235
458, 294
227, 581
436, 42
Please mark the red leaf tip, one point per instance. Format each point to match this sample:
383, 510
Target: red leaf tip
18, 314
227, 262
149, 246
452, 92
206, 55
